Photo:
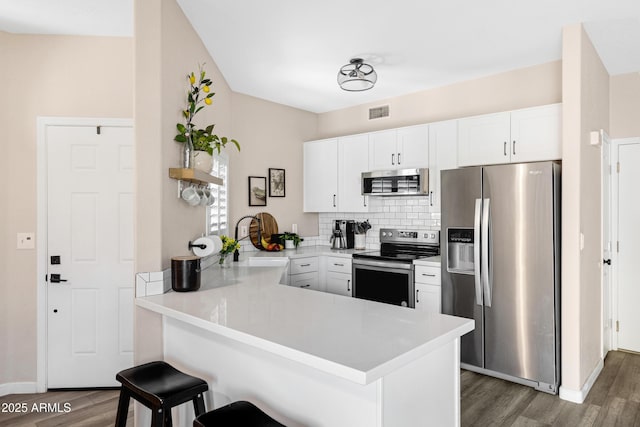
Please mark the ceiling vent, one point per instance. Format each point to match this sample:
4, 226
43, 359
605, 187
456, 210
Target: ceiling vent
378, 112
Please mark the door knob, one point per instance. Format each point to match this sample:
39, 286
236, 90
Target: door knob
607, 261
55, 278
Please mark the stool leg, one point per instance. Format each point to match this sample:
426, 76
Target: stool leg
157, 417
123, 408
168, 421
198, 405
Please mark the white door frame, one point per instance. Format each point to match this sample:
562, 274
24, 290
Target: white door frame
606, 338
41, 229
615, 144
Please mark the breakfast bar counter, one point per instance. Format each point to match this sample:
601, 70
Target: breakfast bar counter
311, 358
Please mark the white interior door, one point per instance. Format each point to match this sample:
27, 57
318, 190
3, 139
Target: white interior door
628, 237
607, 322
90, 197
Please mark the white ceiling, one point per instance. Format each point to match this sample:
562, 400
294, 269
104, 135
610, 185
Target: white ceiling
289, 51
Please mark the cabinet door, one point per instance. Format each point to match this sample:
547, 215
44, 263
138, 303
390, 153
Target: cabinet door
413, 147
339, 283
536, 134
383, 153
484, 140
320, 175
428, 298
353, 159
443, 150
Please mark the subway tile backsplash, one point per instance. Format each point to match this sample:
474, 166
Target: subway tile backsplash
406, 212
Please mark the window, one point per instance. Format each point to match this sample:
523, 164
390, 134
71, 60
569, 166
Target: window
217, 214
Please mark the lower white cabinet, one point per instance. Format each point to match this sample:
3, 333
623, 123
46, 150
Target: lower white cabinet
303, 273
338, 276
428, 287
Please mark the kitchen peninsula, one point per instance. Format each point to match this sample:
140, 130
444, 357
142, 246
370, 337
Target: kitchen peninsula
309, 358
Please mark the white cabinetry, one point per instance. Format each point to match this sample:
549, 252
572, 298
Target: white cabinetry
427, 284
303, 273
443, 143
527, 135
406, 147
353, 159
338, 278
320, 176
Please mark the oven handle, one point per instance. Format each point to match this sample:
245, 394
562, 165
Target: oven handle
476, 251
382, 264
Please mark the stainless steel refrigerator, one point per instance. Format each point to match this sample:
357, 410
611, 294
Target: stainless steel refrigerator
501, 267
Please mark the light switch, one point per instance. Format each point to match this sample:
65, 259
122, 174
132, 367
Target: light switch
26, 241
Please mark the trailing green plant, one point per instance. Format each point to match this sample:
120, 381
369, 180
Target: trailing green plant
199, 96
292, 236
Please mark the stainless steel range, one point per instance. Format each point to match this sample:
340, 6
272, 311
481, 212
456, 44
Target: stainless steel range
387, 275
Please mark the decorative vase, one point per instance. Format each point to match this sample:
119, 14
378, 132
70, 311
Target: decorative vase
203, 161
225, 261
187, 154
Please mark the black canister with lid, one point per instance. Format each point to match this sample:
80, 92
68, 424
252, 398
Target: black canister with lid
185, 273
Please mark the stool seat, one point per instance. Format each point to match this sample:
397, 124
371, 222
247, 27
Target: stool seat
239, 413
159, 386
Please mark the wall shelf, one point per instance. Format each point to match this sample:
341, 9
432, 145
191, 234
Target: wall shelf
194, 176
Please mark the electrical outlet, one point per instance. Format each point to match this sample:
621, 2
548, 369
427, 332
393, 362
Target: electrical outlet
26, 241
243, 230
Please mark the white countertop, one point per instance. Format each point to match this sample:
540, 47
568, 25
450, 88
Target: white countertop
300, 252
432, 261
350, 338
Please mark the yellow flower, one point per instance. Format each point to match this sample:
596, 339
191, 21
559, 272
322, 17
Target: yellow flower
206, 89
207, 101
192, 78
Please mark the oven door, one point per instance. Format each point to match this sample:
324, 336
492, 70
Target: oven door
382, 281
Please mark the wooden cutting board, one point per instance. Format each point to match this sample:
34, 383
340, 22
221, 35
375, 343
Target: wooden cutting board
268, 226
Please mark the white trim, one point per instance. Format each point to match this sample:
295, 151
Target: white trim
615, 145
578, 396
41, 230
17, 388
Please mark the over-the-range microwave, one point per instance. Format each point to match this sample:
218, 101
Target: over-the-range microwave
397, 182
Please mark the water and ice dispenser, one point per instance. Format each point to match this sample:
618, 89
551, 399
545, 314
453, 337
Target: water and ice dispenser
460, 250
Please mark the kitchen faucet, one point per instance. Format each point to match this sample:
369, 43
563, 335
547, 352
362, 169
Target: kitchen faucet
236, 254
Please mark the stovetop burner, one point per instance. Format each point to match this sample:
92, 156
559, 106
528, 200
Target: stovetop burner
404, 246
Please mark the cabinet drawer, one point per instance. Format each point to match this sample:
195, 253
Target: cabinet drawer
304, 280
428, 275
303, 265
339, 265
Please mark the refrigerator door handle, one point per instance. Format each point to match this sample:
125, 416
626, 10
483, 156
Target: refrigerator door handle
485, 242
476, 251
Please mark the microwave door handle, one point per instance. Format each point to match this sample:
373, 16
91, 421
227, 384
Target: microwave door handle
486, 247
476, 251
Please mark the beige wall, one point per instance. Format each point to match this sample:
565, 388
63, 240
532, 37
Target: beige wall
625, 105
585, 109
43, 76
526, 87
271, 136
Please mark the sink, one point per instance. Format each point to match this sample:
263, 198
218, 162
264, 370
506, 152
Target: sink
266, 261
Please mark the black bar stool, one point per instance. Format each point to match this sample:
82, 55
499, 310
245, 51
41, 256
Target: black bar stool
239, 413
158, 386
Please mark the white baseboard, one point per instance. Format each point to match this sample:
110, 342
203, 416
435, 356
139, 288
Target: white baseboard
18, 388
578, 396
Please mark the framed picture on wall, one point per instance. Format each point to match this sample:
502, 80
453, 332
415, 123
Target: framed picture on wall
257, 191
276, 182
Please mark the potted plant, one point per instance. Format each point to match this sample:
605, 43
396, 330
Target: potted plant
199, 143
291, 240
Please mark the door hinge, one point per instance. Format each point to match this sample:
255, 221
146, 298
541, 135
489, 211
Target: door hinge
617, 326
618, 246
46, 277
98, 130
618, 167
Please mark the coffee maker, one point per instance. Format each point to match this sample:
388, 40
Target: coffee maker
343, 236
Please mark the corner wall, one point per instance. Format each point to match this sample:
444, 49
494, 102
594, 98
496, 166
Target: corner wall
625, 105
585, 108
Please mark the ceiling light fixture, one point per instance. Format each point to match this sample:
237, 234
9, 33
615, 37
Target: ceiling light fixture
357, 76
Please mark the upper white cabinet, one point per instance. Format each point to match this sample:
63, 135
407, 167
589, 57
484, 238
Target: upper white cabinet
353, 159
406, 147
320, 176
528, 135
443, 143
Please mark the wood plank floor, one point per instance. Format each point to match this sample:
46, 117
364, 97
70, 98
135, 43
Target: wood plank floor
87, 408
614, 400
